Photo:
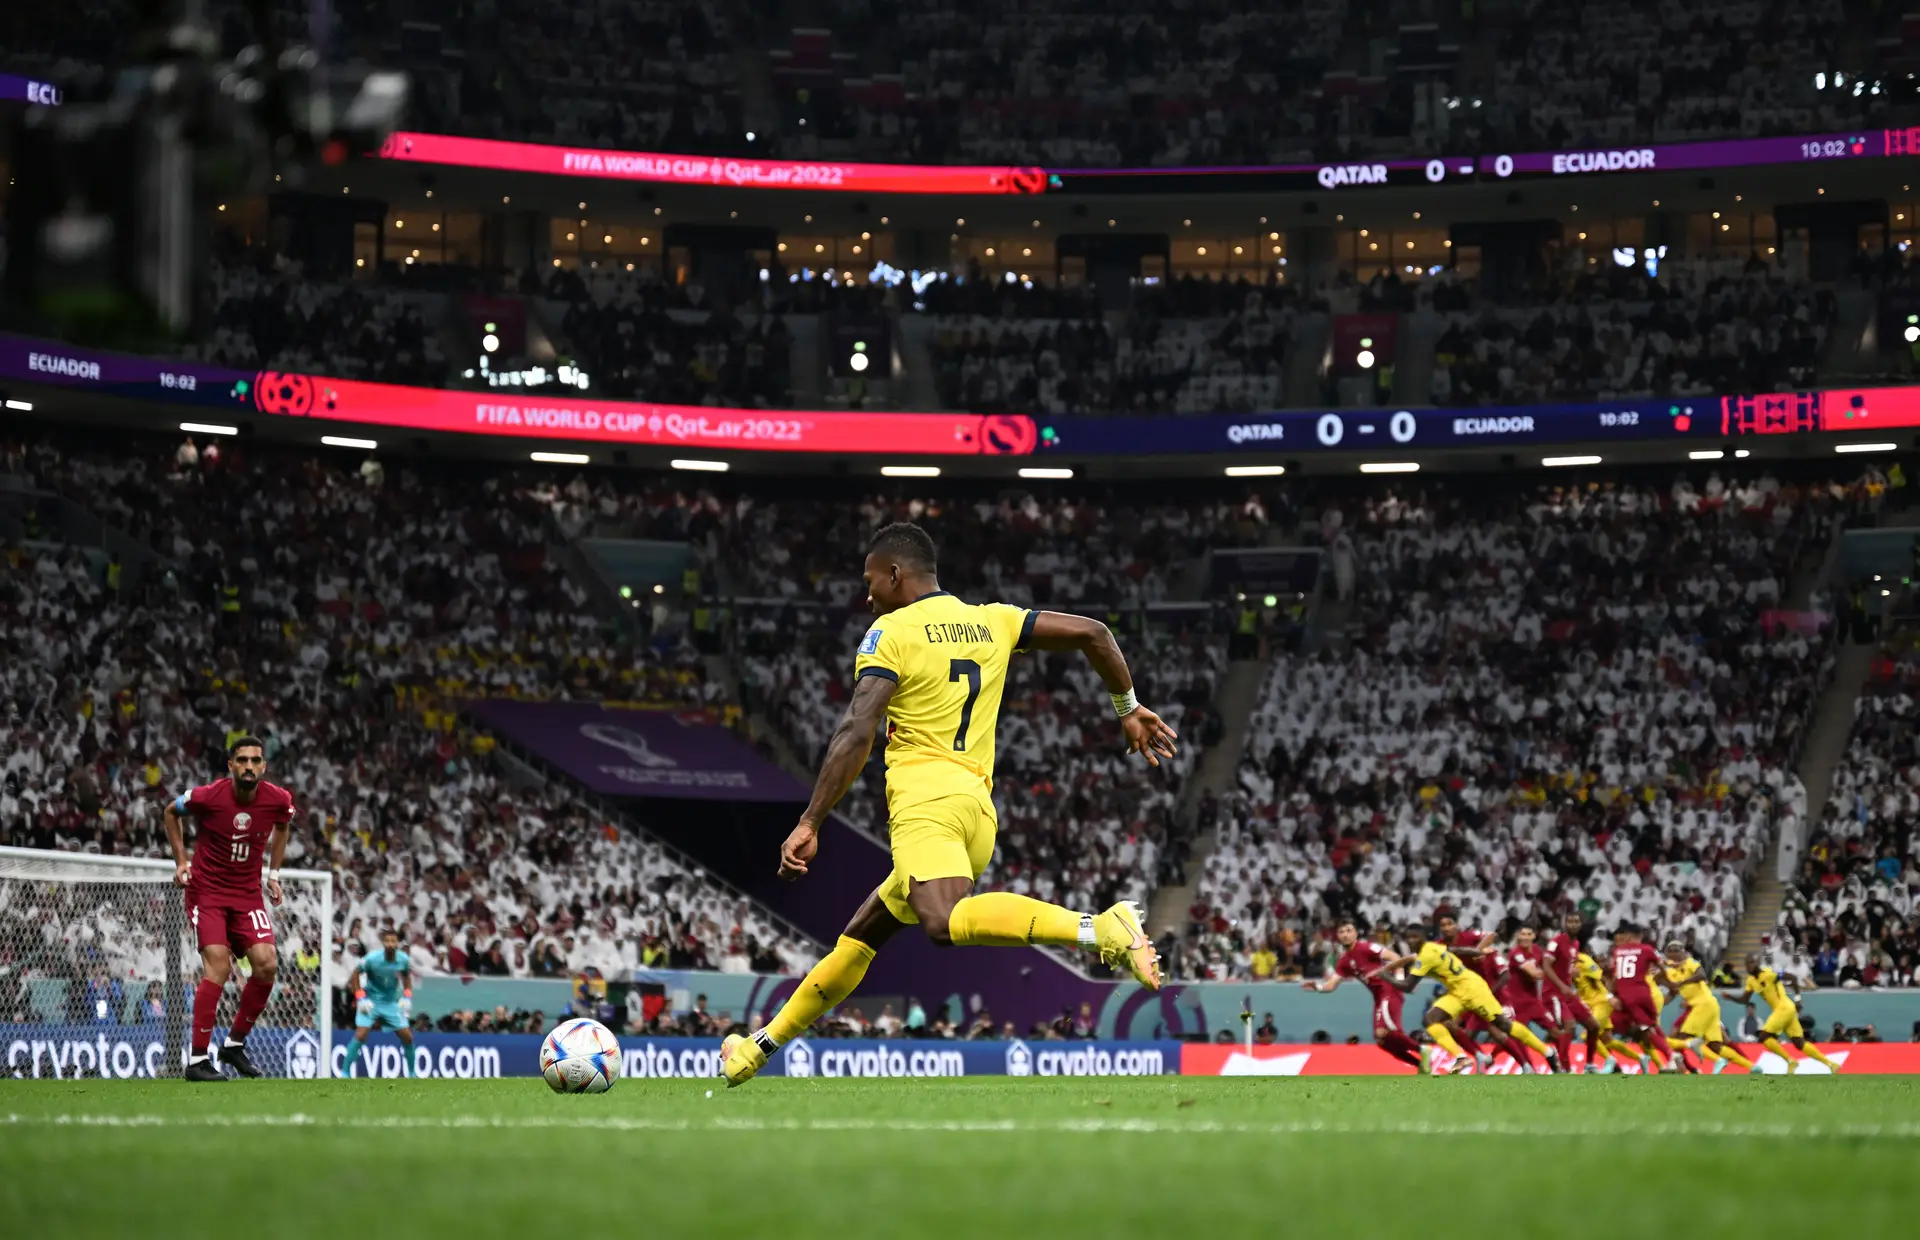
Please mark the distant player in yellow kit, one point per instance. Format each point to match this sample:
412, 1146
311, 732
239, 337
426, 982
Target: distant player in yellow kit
1783, 1018
1466, 991
1702, 1025
1590, 983
935, 668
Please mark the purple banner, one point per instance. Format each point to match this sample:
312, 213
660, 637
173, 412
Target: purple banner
1682, 156
639, 753
13, 86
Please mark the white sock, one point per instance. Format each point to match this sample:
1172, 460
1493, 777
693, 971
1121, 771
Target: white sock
197, 1059
231, 1042
1088, 939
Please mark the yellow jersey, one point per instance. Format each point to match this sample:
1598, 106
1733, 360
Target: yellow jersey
948, 661
1693, 993
1443, 966
1766, 983
1589, 982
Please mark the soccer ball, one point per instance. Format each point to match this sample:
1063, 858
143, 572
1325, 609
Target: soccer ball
580, 1056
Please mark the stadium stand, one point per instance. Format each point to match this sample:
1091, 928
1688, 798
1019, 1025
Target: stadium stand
1093, 85
1698, 329
1849, 918
342, 616
1564, 697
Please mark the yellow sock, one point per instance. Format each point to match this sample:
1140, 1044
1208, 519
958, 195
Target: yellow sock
1621, 1050
1444, 1036
1003, 919
1819, 1054
1527, 1038
1731, 1054
1705, 1052
829, 982
1771, 1043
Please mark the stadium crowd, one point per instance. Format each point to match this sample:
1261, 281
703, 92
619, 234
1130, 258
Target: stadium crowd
1752, 328
1849, 918
1079, 84
1190, 346
1555, 698
341, 617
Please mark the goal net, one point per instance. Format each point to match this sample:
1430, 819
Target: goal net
98, 967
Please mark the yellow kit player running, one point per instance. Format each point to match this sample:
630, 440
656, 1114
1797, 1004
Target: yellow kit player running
1783, 1018
935, 668
1701, 1027
1466, 991
1590, 984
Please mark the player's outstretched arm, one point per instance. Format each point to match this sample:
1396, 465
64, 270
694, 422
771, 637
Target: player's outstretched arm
846, 757
1147, 733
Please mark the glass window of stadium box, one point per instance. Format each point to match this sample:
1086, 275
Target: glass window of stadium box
582, 243
817, 252
1730, 234
1025, 257
1222, 258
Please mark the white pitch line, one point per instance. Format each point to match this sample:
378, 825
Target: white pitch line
1901, 1130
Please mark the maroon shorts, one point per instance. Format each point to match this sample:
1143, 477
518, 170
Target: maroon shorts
1386, 1013
1634, 1012
1528, 1008
229, 921
1567, 1011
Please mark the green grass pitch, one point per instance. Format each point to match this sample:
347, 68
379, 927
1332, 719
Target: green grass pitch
1613, 1157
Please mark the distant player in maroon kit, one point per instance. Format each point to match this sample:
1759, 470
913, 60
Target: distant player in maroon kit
1361, 958
239, 818
1564, 1007
1526, 974
1634, 963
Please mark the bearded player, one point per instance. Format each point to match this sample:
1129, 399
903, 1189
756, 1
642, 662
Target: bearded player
1359, 959
239, 820
935, 667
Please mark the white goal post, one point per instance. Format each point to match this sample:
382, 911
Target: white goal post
98, 967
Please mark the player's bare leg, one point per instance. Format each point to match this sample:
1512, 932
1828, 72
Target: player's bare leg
265, 964
216, 964
826, 985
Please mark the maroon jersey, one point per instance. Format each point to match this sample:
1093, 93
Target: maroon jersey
1486, 966
1519, 980
1632, 967
232, 839
1562, 954
1361, 959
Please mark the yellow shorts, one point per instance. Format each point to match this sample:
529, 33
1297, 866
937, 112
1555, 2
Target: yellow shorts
1703, 1021
949, 837
1602, 1014
1785, 1021
1478, 1000
1659, 1001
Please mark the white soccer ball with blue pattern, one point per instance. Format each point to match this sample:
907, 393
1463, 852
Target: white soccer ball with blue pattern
580, 1056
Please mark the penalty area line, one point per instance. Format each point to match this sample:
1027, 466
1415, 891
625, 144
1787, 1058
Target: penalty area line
1903, 1130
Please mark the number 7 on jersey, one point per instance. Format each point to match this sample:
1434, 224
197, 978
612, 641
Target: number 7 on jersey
971, 670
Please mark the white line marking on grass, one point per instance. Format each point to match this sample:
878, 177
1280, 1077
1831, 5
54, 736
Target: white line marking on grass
1903, 1130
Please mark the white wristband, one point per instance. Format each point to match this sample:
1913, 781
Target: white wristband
1124, 703
273, 876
